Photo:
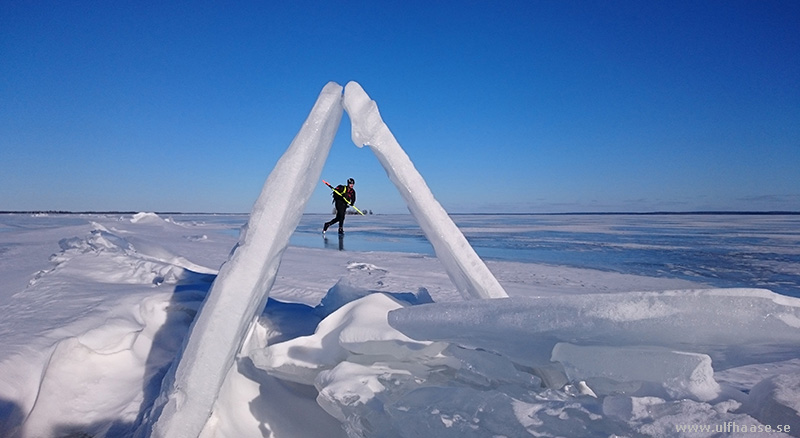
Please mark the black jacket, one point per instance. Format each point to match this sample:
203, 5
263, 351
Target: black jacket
348, 192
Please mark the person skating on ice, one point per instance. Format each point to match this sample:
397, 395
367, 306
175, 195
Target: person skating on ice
341, 203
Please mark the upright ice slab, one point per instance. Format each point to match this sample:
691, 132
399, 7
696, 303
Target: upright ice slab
466, 270
242, 287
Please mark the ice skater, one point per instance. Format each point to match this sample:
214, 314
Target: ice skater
343, 196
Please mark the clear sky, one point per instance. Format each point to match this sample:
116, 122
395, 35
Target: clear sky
503, 106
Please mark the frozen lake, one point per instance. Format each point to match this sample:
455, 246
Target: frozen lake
723, 250
103, 301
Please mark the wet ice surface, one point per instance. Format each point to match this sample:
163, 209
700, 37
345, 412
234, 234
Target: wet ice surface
721, 250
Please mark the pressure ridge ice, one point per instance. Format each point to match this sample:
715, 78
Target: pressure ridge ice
582, 365
380, 363
244, 282
385, 368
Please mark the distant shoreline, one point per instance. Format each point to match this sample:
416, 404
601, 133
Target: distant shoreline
644, 213
604, 213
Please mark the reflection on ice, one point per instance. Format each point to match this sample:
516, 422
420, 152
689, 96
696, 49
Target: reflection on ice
721, 250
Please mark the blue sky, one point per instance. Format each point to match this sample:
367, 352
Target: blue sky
529, 106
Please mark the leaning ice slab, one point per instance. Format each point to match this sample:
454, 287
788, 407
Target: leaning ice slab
732, 326
466, 270
242, 287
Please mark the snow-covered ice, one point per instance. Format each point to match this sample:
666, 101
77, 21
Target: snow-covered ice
376, 343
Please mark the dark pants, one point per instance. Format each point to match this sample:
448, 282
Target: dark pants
341, 212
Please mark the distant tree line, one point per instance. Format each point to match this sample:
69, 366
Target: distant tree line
351, 211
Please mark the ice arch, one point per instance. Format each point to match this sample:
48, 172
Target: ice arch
242, 287
466, 270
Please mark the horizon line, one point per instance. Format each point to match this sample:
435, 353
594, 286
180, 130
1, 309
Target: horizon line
642, 213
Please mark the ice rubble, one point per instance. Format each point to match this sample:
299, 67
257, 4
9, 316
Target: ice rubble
482, 368
607, 369
506, 366
107, 342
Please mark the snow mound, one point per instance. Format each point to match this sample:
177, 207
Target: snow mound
344, 292
121, 260
146, 217
114, 359
359, 327
774, 401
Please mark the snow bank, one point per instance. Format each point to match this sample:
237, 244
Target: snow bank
146, 217
124, 355
135, 260
106, 336
775, 401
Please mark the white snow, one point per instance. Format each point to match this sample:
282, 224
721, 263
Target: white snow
88, 334
774, 400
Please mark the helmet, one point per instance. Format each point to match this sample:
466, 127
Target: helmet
351, 181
